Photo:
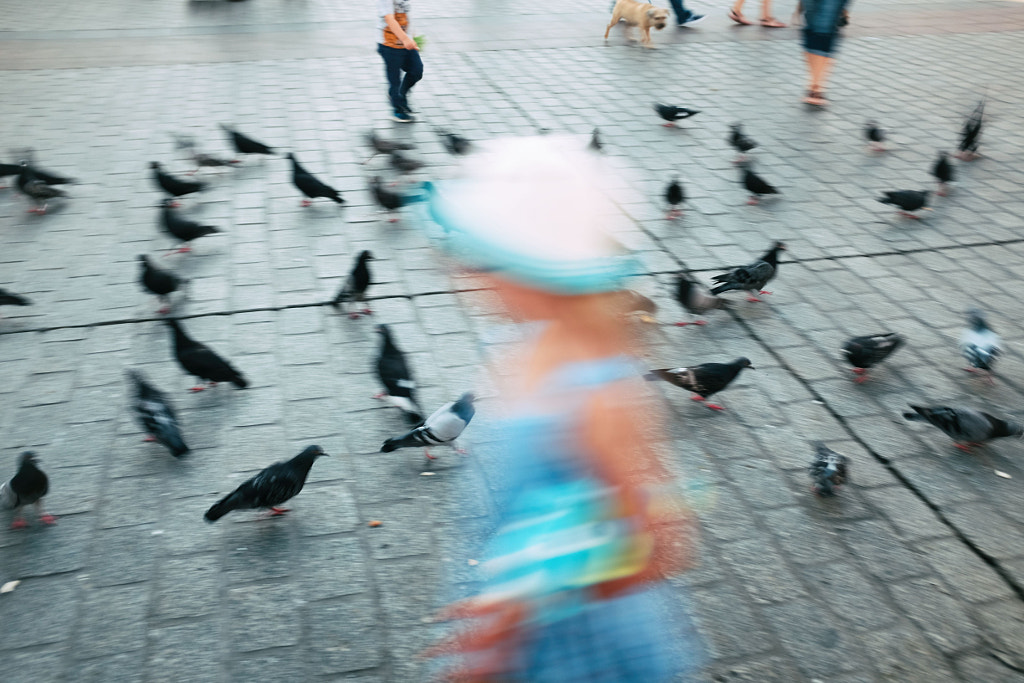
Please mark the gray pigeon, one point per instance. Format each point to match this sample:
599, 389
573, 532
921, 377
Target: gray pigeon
27, 487
979, 344
966, 426
753, 277
444, 426
703, 380
156, 415
829, 470
694, 299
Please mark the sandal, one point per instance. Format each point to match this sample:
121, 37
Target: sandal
816, 98
772, 22
738, 18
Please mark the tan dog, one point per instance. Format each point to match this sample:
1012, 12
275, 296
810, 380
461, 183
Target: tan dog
641, 14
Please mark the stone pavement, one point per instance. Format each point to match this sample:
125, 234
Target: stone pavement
914, 573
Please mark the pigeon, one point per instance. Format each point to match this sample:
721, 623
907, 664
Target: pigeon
595, 144
157, 416
36, 189
672, 114
966, 426
979, 344
390, 201
907, 201
674, 196
158, 281
444, 426
970, 136
868, 351
694, 299
198, 359
454, 143
394, 373
740, 142
703, 380
355, 286
875, 136
180, 228
273, 486
244, 144
200, 159
174, 186
27, 487
829, 470
755, 185
310, 186
48, 178
403, 163
384, 146
943, 172
751, 277
8, 170
12, 299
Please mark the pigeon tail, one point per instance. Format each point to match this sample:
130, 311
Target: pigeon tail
223, 507
409, 440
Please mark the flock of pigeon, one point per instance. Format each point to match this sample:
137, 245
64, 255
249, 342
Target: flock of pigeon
281, 481
980, 346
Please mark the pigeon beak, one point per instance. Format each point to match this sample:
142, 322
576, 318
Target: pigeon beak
751, 367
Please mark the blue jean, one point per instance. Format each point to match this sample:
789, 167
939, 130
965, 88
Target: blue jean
682, 14
821, 25
397, 60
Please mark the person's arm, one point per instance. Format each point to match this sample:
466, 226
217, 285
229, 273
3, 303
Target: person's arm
407, 42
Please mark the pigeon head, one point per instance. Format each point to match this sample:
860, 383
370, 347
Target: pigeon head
143, 259
155, 164
291, 156
313, 452
976, 319
744, 362
779, 246
467, 397
27, 458
366, 255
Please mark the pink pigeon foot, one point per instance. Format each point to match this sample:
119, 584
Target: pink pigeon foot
37, 210
392, 220
48, 520
669, 125
175, 204
682, 324
907, 214
353, 315
753, 298
714, 406
861, 379
276, 511
306, 202
203, 387
429, 456
149, 439
164, 310
19, 523
461, 451
753, 201
367, 311
696, 397
380, 395
764, 291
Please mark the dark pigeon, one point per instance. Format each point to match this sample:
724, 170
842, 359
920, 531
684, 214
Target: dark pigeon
159, 281
868, 351
180, 228
174, 186
455, 144
829, 470
740, 142
943, 172
12, 299
753, 277
445, 425
704, 380
970, 136
907, 201
395, 375
966, 426
384, 146
157, 416
243, 144
674, 196
755, 185
26, 487
199, 360
695, 299
404, 163
672, 113
310, 186
595, 144
389, 200
36, 189
875, 136
354, 289
273, 486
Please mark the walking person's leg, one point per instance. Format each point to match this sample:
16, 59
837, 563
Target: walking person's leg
767, 20
393, 59
736, 13
413, 67
684, 17
820, 32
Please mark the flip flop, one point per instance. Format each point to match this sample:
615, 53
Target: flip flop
738, 18
772, 22
816, 98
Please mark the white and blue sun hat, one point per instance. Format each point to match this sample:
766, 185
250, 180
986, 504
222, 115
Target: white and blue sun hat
532, 209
